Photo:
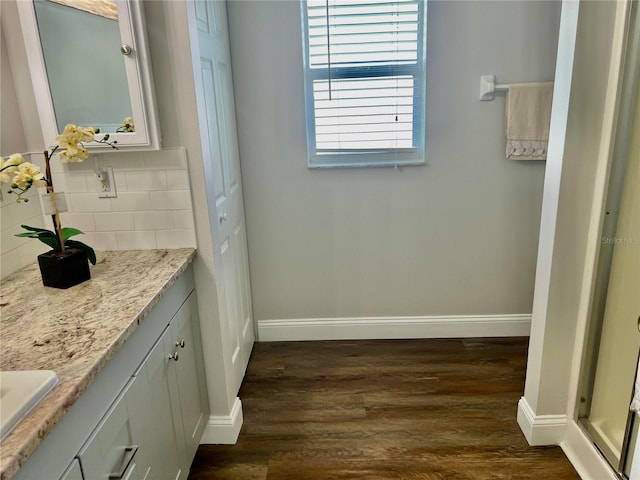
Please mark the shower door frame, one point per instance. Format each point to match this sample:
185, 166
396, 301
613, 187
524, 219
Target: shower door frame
630, 73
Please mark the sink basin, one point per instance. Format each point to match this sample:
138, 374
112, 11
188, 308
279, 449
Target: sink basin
20, 392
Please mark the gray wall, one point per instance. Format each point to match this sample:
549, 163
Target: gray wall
456, 237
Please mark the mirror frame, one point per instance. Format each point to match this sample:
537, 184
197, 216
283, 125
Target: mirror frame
138, 71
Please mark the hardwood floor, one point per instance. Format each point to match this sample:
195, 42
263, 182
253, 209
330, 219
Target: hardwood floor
393, 409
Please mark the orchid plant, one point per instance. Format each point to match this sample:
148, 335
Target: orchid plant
127, 126
22, 175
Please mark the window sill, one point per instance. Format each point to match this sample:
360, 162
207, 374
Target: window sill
360, 160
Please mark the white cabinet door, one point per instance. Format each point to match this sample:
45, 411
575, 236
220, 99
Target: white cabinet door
216, 112
191, 387
154, 418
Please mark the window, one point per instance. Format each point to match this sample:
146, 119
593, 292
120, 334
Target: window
364, 81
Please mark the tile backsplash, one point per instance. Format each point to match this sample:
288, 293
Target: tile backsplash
18, 252
152, 209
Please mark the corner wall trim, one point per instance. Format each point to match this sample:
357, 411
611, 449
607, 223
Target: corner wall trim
224, 429
540, 429
370, 328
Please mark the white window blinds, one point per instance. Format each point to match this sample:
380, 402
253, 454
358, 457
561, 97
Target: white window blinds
364, 81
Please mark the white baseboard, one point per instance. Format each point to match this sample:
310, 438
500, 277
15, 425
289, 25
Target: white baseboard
540, 429
224, 429
584, 456
361, 328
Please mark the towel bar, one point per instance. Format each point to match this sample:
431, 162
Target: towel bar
488, 87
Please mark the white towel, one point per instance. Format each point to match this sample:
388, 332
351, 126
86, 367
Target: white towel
635, 402
527, 118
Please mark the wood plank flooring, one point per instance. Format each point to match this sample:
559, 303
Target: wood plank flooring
395, 409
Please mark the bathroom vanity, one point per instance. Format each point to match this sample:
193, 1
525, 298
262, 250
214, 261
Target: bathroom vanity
131, 401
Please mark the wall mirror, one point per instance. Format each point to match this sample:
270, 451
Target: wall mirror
89, 65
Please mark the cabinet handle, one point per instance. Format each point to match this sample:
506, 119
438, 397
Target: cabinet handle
180, 343
174, 356
129, 453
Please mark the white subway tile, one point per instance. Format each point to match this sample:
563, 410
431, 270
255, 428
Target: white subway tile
28, 253
56, 167
76, 167
166, 159
107, 222
131, 202
153, 220
100, 240
60, 182
143, 240
87, 202
7, 197
123, 160
82, 221
9, 262
178, 180
38, 220
16, 213
171, 200
140, 181
8, 238
121, 181
183, 219
176, 238
71, 182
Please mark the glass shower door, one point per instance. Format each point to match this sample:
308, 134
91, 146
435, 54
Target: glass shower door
614, 341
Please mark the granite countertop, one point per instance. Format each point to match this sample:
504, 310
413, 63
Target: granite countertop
75, 332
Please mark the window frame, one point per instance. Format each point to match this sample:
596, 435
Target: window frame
368, 157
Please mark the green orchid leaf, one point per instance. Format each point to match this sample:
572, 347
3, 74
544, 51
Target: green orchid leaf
53, 242
45, 236
36, 229
42, 235
68, 232
28, 234
51, 239
91, 254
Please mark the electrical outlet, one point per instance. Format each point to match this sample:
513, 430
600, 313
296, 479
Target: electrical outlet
106, 183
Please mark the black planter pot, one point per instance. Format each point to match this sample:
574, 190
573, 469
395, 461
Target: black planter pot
64, 269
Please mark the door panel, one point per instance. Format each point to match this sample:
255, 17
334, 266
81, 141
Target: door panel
231, 297
245, 333
222, 164
212, 126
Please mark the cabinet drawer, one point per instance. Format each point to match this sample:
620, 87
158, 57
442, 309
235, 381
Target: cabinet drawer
110, 452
